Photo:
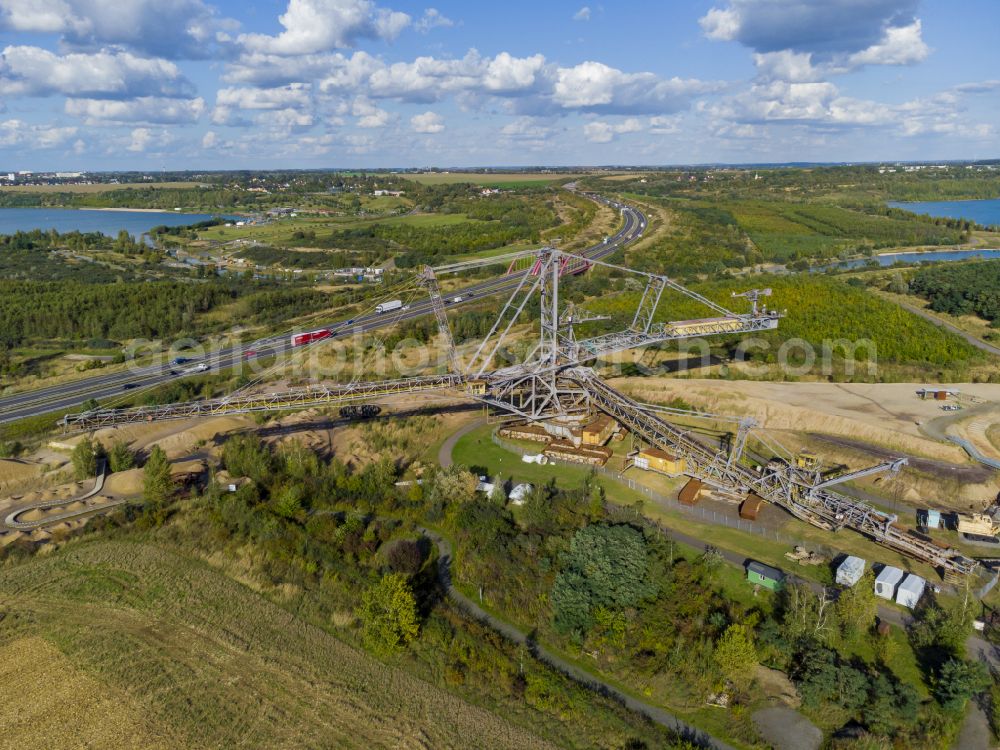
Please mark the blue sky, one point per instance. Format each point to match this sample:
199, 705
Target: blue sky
192, 84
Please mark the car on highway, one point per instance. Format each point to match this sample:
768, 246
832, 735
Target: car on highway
250, 353
179, 360
129, 386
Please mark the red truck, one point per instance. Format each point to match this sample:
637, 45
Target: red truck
300, 339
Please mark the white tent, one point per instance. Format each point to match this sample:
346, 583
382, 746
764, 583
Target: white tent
850, 571
888, 579
520, 493
910, 591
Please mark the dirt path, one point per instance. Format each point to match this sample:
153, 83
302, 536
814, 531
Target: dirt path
513, 634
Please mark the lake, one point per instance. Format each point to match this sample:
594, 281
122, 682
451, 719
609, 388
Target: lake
106, 222
933, 256
985, 212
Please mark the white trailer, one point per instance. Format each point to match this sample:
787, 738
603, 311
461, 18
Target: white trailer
910, 591
850, 571
384, 307
887, 581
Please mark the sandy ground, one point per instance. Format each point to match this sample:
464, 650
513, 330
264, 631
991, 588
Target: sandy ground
178, 438
887, 414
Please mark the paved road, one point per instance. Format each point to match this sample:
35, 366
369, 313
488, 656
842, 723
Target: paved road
444, 452
115, 385
513, 634
976, 342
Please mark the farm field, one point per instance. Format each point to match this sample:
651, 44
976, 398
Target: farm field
491, 179
159, 645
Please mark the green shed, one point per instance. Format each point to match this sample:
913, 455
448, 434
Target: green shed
766, 576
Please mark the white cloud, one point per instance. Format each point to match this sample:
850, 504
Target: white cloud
596, 87
821, 106
296, 95
32, 71
149, 109
583, 14
901, 45
145, 139
313, 26
539, 87
604, 132
20, 133
369, 116
801, 40
163, 28
786, 65
824, 27
433, 19
210, 139
283, 122
428, 122
721, 24
506, 73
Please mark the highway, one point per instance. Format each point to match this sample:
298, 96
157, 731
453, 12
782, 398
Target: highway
65, 396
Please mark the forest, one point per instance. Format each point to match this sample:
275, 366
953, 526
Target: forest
961, 288
59, 310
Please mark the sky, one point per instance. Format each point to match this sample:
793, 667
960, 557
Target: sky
223, 84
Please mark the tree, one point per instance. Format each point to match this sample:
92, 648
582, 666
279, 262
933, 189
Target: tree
857, 609
388, 614
405, 557
806, 615
121, 457
943, 627
84, 459
736, 656
157, 484
958, 681
604, 566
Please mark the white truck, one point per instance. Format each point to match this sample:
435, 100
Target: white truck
384, 307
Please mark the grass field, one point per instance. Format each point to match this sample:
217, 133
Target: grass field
142, 647
97, 188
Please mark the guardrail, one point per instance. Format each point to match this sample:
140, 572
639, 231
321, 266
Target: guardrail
973, 451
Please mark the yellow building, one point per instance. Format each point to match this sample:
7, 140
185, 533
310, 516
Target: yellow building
654, 459
599, 431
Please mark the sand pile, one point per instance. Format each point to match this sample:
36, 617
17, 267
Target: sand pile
887, 415
124, 483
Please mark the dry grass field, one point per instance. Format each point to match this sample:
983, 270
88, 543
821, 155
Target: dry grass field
48, 702
122, 644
